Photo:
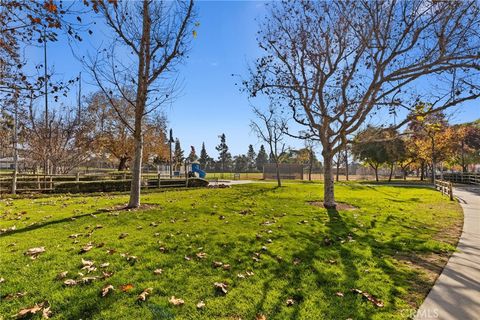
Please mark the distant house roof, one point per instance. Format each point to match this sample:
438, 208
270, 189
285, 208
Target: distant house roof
9, 159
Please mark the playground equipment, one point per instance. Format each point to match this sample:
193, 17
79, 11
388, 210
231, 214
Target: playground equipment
196, 169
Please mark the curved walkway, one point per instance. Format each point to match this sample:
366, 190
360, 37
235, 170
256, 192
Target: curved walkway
456, 293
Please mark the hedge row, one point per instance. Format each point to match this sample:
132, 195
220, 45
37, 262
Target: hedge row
92, 186
120, 185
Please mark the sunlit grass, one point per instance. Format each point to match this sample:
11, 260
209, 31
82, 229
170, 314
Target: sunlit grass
303, 252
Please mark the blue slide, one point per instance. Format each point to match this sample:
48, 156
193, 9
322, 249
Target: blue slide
196, 168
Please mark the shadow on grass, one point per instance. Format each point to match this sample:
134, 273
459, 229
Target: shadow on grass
403, 280
38, 225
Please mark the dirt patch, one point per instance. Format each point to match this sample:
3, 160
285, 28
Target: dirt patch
145, 206
451, 234
340, 205
429, 267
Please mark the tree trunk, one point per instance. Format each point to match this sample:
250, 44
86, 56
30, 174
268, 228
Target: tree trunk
346, 164
136, 172
140, 101
433, 159
15, 149
422, 171
464, 167
338, 168
391, 173
376, 173
310, 167
277, 168
328, 184
122, 165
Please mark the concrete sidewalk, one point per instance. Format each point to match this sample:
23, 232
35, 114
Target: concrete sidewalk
456, 293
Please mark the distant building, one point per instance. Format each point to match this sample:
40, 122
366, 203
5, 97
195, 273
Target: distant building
8, 163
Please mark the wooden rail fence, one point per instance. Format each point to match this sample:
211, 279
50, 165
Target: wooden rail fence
461, 177
28, 182
445, 187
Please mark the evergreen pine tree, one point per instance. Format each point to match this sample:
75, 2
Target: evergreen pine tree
192, 157
262, 158
177, 155
224, 157
251, 155
203, 157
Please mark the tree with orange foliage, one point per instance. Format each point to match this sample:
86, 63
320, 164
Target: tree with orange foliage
114, 139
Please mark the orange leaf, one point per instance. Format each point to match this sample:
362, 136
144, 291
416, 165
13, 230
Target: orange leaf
126, 287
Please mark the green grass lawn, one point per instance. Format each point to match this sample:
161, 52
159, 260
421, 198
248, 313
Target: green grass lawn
288, 259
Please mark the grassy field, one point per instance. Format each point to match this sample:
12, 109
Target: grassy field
273, 250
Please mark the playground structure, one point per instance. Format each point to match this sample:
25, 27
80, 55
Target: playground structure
195, 168
188, 170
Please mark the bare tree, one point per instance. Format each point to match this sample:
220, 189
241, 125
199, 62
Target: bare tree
70, 139
271, 128
150, 38
333, 63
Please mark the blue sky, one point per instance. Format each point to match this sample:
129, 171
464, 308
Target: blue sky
210, 102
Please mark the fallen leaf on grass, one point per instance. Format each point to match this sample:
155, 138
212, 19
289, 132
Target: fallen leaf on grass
369, 297
123, 235
226, 267
372, 299
131, 259
46, 313
217, 264
221, 287
145, 293
104, 265
357, 291
126, 287
260, 317
327, 241
106, 275
176, 301
16, 295
201, 305
201, 255
249, 273
87, 262
74, 236
62, 275
158, 271
34, 252
339, 294
111, 251
87, 280
29, 311
70, 282
2, 280
89, 268
106, 290
187, 258
290, 302
296, 261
